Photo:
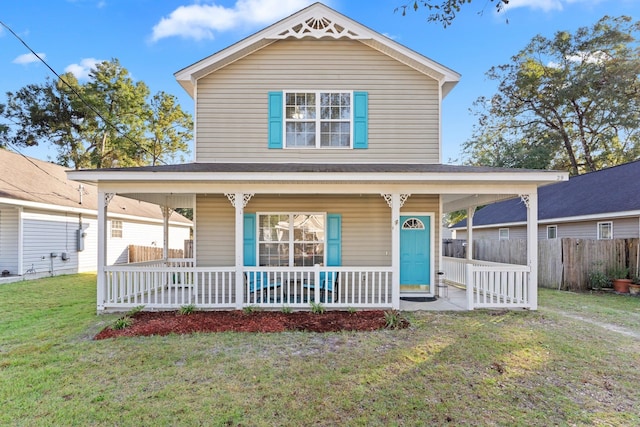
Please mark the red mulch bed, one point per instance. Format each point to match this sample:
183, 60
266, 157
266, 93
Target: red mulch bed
168, 322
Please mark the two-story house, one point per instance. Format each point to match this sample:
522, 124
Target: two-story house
317, 176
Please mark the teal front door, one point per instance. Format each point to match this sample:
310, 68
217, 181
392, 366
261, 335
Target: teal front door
415, 256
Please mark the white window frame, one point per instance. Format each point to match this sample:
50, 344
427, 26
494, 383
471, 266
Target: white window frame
291, 242
500, 234
555, 232
600, 230
317, 120
116, 229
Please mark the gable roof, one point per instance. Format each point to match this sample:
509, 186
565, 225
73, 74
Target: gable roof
607, 192
26, 181
317, 21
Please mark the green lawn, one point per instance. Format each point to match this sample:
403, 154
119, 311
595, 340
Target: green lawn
481, 368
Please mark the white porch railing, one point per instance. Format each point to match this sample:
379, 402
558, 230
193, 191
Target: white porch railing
175, 283
334, 287
490, 284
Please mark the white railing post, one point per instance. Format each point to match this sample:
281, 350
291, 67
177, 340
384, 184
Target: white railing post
316, 281
470, 284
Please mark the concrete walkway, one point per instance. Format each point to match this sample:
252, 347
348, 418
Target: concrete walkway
456, 300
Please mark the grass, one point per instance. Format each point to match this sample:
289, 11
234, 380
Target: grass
467, 368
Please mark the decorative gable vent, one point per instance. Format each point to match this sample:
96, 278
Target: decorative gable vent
318, 27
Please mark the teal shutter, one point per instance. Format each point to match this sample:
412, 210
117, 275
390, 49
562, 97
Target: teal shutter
360, 119
334, 240
249, 239
275, 119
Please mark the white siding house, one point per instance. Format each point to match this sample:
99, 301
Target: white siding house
48, 224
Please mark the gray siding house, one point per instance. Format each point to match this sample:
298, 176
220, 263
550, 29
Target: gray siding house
599, 205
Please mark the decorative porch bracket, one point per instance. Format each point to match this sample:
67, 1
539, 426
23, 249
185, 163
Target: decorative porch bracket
389, 199
245, 198
107, 198
525, 199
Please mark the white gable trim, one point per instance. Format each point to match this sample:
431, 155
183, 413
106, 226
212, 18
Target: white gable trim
316, 21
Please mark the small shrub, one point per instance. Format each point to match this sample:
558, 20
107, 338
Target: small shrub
317, 307
250, 309
598, 279
393, 319
187, 309
352, 310
134, 310
123, 322
286, 309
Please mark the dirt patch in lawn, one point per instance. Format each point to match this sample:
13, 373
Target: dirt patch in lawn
167, 322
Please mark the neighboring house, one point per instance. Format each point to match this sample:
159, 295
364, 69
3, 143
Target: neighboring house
48, 223
317, 175
597, 205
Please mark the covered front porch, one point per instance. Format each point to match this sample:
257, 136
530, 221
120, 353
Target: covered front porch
347, 238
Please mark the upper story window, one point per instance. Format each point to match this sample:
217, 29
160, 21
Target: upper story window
605, 230
116, 228
318, 119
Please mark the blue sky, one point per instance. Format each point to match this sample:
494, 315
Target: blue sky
155, 38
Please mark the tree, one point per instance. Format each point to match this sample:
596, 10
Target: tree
443, 11
107, 121
570, 102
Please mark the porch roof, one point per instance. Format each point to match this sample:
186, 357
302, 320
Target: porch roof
460, 186
317, 168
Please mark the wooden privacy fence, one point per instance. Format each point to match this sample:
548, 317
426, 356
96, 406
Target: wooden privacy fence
150, 253
562, 263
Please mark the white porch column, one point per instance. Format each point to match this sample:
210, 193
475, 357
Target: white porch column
239, 205
166, 213
468, 277
470, 212
103, 203
531, 201
395, 250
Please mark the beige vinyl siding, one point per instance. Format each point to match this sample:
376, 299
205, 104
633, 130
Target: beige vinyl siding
366, 239
214, 231
366, 222
232, 104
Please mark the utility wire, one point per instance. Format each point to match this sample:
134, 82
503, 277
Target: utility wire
78, 95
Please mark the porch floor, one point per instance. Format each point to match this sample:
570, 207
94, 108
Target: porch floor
456, 301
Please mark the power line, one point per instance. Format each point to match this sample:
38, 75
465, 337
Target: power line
97, 113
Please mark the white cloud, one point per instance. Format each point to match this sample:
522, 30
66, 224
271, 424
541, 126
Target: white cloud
202, 21
81, 71
28, 58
